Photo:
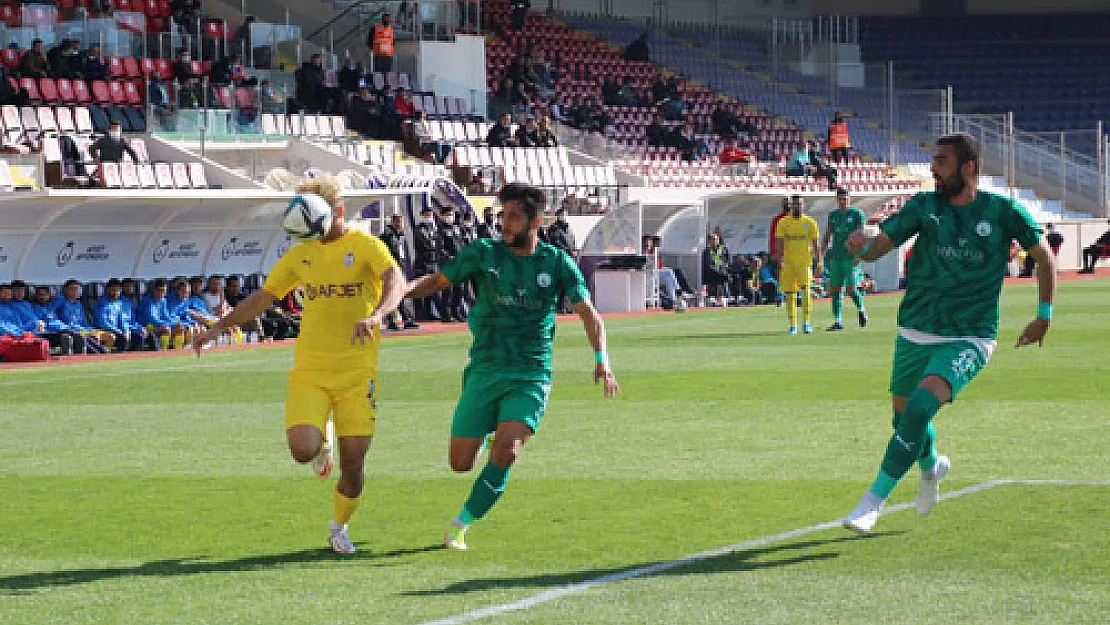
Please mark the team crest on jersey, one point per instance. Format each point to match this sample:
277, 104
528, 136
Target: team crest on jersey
349, 259
543, 280
983, 229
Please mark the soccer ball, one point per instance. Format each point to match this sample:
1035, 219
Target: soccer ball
307, 217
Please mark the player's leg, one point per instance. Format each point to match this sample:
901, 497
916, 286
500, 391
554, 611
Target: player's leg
307, 407
807, 300
837, 297
355, 394
789, 283
856, 293
519, 413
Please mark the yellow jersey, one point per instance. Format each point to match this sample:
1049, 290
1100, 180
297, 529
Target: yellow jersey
796, 234
342, 283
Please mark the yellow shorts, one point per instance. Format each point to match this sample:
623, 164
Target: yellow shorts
349, 394
795, 278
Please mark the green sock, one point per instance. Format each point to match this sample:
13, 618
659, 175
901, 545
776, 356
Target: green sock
928, 458
907, 444
486, 491
857, 298
838, 305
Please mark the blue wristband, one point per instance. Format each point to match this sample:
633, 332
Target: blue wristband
601, 358
1044, 311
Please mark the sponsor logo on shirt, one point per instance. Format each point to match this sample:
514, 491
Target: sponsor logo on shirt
344, 290
983, 229
349, 259
543, 280
519, 300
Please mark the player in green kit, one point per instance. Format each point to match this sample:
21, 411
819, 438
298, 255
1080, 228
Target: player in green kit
505, 386
842, 265
948, 318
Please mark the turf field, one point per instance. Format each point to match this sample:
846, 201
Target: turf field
160, 491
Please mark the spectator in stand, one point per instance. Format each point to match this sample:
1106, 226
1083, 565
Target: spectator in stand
806, 162
501, 135
489, 228
160, 104
269, 99
351, 76
69, 309
230, 71
34, 62
546, 134
520, 13
502, 100
450, 243
393, 235
380, 40
1099, 249
638, 50
727, 124
241, 40
693, 148
153, 313
714, 271
528, 134
406, 108
610, 91
54, 57
93, 66
311, 91
188, 86
427, 144
111, 147
733, 154
365, 114
9, 93
519, 98
116, 314
130, 292
213, 295
658, 134
627, 94
839, 141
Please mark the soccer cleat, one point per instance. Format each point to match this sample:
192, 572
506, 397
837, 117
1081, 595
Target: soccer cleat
340, 541
863, 518
928, 494
836, 327
455, 537
792, 330
863, 318
808, 329
324, 462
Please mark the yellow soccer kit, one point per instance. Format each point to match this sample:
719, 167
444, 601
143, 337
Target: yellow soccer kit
342, 282
796, 233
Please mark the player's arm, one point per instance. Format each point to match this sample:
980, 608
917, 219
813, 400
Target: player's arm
393, 291
868, 248
780, 247
1046, 291
818, 252
248, 309
426, 286
826, 239
595, 331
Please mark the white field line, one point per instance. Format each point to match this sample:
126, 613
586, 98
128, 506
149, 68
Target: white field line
578, 587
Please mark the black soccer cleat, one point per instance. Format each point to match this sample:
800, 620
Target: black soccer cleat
863, 318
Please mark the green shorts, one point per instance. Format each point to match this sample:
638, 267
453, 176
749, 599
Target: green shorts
958, 362
843, 273
488, 400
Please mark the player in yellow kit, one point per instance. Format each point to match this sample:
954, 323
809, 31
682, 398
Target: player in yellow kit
350, 283
797, 248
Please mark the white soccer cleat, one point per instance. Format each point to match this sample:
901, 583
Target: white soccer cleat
928, 494
340, 541
863, 518
455, 537
324, 462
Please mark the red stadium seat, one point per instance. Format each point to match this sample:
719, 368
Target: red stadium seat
245, 97
165, 68
11, 57
115, 66
100, 92
196, 68
213, 29
223, 96
32, 88
65, 91
81, 91
116, 92
133, 92
123, 5
147, 67
131, 67
150, 8
48, 90
10, 15
164, 8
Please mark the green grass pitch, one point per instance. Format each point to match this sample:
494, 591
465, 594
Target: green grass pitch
160, 491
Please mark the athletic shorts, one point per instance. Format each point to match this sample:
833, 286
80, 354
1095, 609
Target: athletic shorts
348, 394
958, 362
843, 273
488, 400
795, 278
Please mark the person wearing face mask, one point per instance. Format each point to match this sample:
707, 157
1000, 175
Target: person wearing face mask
798, 245
426, 245
111, 147
489, 229
561, 236
450, 242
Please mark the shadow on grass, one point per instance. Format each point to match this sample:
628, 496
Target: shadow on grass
179, 567
694, 337
735, 561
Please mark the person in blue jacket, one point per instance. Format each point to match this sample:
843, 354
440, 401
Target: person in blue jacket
153, 312
60, 335
70, 311
9, 318
116, 314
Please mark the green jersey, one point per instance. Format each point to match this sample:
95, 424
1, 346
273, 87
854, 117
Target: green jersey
841, 225
513, 319
954, 275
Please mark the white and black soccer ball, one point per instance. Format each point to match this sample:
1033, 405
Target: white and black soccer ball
307, 217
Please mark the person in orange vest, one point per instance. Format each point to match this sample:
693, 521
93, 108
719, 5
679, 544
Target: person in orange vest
839, 142
380, 42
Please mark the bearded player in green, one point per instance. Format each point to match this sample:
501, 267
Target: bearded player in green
842, 265
948, 318
505, 386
